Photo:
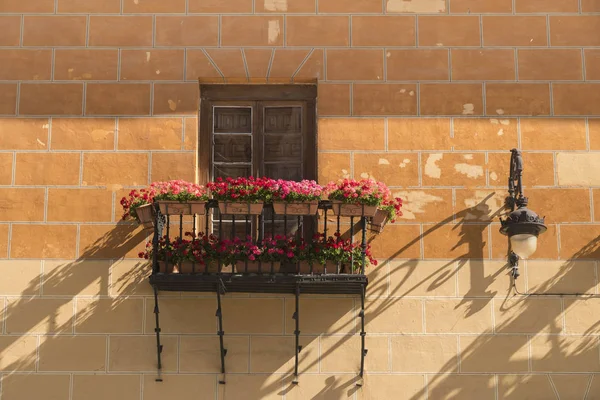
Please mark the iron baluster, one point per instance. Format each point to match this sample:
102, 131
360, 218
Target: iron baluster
232, 226
180, 237
159, 346
220, 332
363, 351
220, 266
168, 239
300, 234
298, 348
158, 227
364, 245
351, 244
206, 220
325, 222
339, 233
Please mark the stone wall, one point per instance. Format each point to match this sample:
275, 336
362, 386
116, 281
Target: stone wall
98, 97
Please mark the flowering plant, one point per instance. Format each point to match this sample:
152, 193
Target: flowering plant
178, 190
252, 190
292, 191
242, 250
199, 249
392, 206
271, 249
284, 249
135, 199
342, 251
176, 251
366, 191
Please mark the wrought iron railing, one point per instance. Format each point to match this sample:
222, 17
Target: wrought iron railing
258, 226
288, 278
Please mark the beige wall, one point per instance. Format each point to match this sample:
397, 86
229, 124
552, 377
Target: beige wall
97, 97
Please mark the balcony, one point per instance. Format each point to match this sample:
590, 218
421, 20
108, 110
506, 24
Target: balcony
258, 277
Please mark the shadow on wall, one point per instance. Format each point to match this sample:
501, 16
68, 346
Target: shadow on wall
52, 313
481, 352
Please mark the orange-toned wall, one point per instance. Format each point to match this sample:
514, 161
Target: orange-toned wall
97, 97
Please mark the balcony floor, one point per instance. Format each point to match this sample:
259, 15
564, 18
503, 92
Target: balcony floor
268, 283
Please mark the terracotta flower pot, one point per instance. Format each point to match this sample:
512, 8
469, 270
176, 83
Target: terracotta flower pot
253, 267
232, 208
353, 210
296, 207
165, 268
145, 215
317, 268
169, 207
379, 221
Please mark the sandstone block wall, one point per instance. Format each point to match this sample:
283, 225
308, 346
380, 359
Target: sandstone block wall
98, 97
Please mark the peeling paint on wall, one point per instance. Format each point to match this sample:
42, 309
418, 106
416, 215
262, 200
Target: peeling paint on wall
468, 109
276, 5
416, 6
431, 168
414, 202
478, 208
383, 161
274, 31
471, 171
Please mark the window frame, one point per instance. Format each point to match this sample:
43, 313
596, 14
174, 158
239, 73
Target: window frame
223, 94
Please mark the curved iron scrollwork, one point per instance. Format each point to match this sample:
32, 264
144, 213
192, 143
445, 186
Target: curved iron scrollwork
515, 181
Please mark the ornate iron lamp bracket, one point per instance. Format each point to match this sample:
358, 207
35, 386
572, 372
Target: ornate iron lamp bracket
520, 220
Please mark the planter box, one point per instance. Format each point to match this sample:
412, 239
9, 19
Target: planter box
186, 268
296, 208
240, 208
145, 216
353, 210
169, 207
240, 267
317, 268
379, 221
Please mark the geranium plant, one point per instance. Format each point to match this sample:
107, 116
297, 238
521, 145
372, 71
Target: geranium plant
392, 206
180, 197
292, 191
341, 251
365, 191
248, 190
181, 253
134, 200
178, 190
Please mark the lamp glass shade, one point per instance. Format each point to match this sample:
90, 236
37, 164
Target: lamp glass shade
523, 245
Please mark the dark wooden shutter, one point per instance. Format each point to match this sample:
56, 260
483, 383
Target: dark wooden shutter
257, 131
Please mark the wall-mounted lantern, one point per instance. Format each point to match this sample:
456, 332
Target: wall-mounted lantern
522, 225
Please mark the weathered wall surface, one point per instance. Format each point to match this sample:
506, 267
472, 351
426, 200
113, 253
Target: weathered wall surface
97, 97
